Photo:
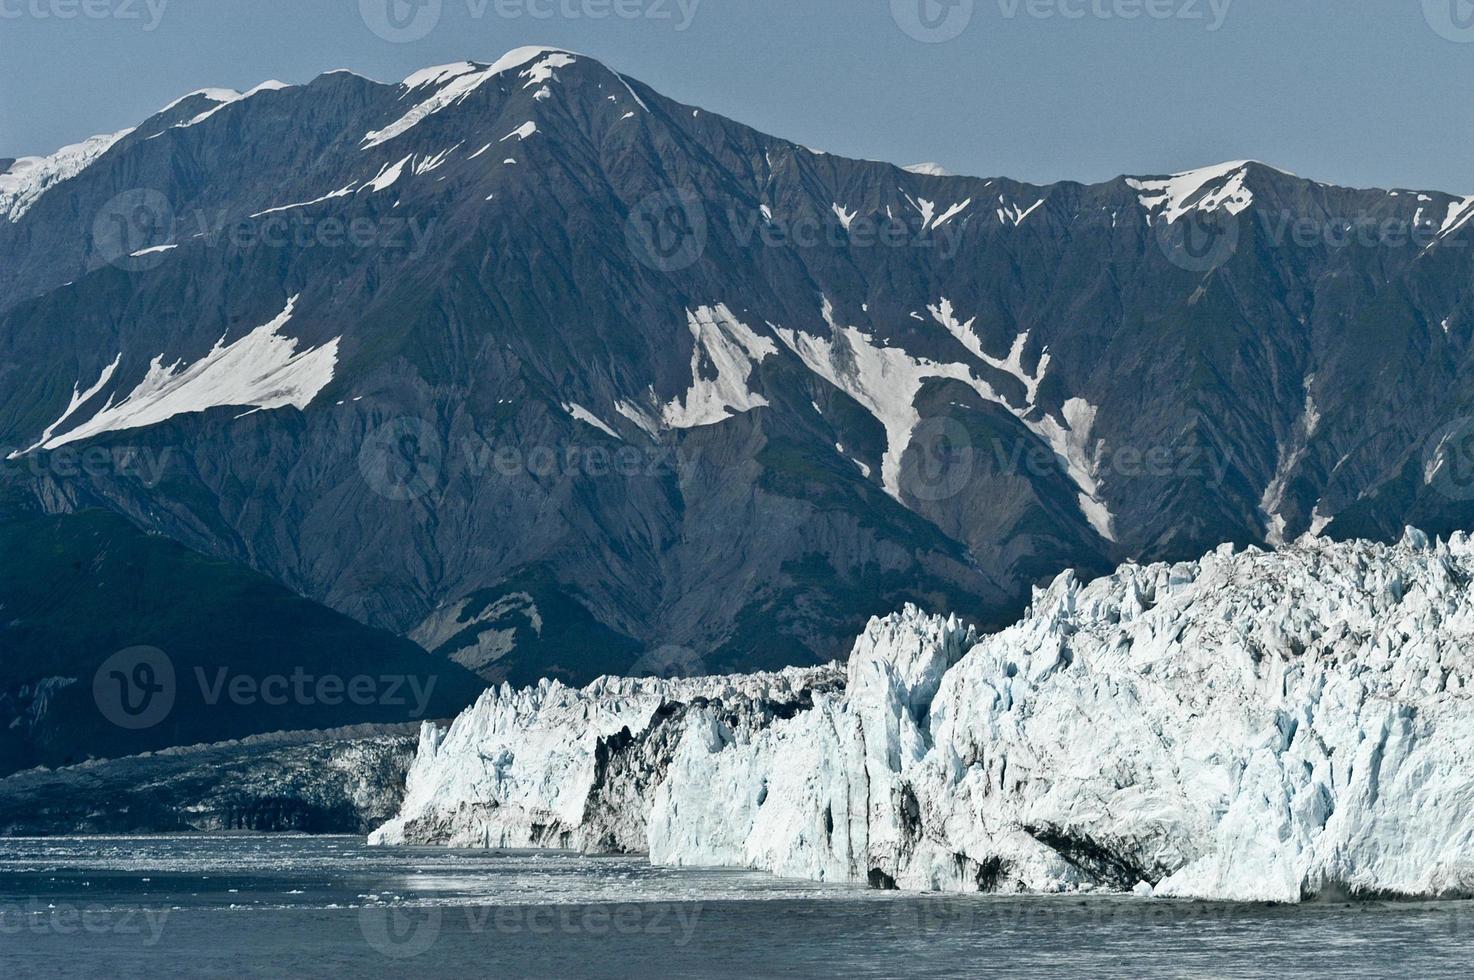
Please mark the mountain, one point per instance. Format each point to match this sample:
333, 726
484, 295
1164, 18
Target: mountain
1250, 726
559, 377
87, 600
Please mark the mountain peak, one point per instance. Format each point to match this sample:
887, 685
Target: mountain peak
516, 58
929, 169
452, 83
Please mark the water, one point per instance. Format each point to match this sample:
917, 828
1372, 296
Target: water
243, 906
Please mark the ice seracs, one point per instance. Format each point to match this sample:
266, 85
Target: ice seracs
27, 178
1249, 726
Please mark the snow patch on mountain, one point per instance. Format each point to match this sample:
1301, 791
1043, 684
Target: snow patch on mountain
455, 83
930, 219
885, 380
1011, 214
1290, 458
222, 100
27, 178
928, 170
78, 399
1012, 365
581, 414
1250, 727
730, 349
1208, 189
261, 370
1459, 214
387, 175
522, 132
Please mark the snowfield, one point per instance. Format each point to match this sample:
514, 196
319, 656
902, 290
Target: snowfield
1250, 726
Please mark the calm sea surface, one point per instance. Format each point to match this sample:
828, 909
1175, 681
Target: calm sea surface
229, 906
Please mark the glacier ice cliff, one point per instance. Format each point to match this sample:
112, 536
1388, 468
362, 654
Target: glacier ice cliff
1250, 726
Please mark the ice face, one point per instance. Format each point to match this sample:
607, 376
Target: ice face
1249, 726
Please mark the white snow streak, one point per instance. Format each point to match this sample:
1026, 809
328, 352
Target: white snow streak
733, 350
260, 370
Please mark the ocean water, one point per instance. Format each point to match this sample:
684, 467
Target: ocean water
256, 906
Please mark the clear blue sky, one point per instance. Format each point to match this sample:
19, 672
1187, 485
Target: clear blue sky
1360, 92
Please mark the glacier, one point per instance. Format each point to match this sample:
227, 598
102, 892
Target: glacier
1251, 726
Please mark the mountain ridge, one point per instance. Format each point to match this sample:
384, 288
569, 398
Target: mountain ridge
843, 386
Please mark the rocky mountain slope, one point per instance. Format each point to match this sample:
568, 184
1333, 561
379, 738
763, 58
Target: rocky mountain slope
1248, 726
114, 642
560, 377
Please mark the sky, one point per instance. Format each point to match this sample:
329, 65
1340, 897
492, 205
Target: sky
1368, 93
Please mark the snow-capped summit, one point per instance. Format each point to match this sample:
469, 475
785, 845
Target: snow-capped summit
928, 170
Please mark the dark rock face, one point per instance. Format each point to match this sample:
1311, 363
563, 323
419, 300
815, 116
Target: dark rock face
915, 388
113, 643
